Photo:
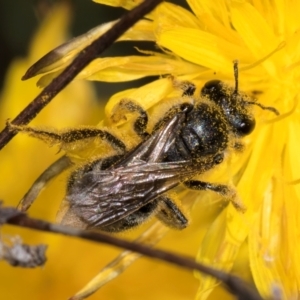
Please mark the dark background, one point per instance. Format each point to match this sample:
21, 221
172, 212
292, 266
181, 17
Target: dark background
20, 18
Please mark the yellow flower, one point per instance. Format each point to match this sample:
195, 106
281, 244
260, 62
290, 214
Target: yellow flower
201, 45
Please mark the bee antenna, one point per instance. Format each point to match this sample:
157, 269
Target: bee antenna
236, 76
270, 108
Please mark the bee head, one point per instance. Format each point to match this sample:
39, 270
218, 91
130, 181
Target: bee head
233, 105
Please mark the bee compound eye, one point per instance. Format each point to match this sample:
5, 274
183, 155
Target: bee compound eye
245, 126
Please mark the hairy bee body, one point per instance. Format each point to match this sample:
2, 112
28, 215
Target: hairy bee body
125, 190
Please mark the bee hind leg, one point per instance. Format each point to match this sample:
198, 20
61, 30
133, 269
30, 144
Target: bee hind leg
170, 214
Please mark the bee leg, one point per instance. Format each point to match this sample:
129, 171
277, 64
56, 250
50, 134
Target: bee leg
71, 135
127, 105
85, 133
170, 214
136, 218
188, 88
222, 189
53, 170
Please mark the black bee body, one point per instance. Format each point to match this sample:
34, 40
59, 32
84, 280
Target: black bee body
189, 140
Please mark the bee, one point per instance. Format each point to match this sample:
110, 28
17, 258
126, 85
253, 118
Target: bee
120, 192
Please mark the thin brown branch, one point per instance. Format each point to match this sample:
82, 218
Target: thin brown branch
237, 286
82, 60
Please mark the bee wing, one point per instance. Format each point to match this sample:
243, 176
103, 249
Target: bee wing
114, 194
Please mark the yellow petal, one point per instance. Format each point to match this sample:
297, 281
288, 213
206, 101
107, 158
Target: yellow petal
167, 16
214, 18
256, 33
118, 69
216, 9
134, 67
203, 48
273, 252
270, 246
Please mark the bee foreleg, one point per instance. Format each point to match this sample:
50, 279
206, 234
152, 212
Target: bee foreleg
170, 214
127, 105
